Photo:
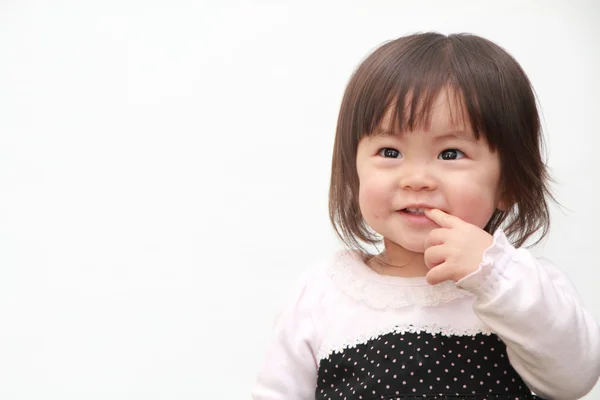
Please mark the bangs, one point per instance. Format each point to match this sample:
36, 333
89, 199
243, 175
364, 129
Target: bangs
404, 79
415, 110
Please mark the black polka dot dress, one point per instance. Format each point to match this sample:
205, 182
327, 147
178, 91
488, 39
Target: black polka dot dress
422, 366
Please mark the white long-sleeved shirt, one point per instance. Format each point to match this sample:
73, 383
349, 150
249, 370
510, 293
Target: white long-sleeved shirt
514, 326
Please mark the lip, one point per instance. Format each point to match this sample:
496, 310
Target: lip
417, 205
416, 219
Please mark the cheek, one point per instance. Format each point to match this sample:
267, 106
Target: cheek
474, 200
375, 196
476, 210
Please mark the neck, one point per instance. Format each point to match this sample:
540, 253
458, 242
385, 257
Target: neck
398, 261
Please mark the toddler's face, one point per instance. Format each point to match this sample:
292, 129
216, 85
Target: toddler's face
444, 167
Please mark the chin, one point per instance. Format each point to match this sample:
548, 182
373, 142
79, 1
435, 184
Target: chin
415, 246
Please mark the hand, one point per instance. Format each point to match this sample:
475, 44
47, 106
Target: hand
454, 250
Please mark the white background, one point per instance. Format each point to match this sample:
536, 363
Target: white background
164, 171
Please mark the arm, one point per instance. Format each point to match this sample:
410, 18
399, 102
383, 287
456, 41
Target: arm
289, 370
552, 341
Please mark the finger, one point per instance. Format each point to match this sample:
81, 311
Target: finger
434, 256
438, 274
436, 237
441, 218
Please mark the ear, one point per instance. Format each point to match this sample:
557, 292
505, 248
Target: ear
504, 205
505, 202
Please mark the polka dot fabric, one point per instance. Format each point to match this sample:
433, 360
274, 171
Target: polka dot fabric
412, 366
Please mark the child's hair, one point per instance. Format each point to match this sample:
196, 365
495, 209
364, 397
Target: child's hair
496, 97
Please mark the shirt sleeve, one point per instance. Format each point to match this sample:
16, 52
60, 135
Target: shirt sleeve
552, 341
289, 369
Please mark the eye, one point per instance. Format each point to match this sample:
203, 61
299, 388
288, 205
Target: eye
388, 152
451, 154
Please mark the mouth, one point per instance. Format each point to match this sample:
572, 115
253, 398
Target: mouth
415, 216
414, 210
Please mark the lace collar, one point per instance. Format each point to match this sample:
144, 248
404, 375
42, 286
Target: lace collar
352, 276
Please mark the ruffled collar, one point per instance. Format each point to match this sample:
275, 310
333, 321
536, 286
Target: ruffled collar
355, 278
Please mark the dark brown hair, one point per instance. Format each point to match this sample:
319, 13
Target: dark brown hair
497, 98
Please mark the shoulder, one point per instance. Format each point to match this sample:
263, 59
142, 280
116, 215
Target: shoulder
558, 277
524, 258
315, 281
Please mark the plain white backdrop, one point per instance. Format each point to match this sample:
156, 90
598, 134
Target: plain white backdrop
164, 171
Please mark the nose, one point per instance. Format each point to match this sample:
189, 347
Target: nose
416, 176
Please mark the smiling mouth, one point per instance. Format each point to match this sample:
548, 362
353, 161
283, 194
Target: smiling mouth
414, 210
